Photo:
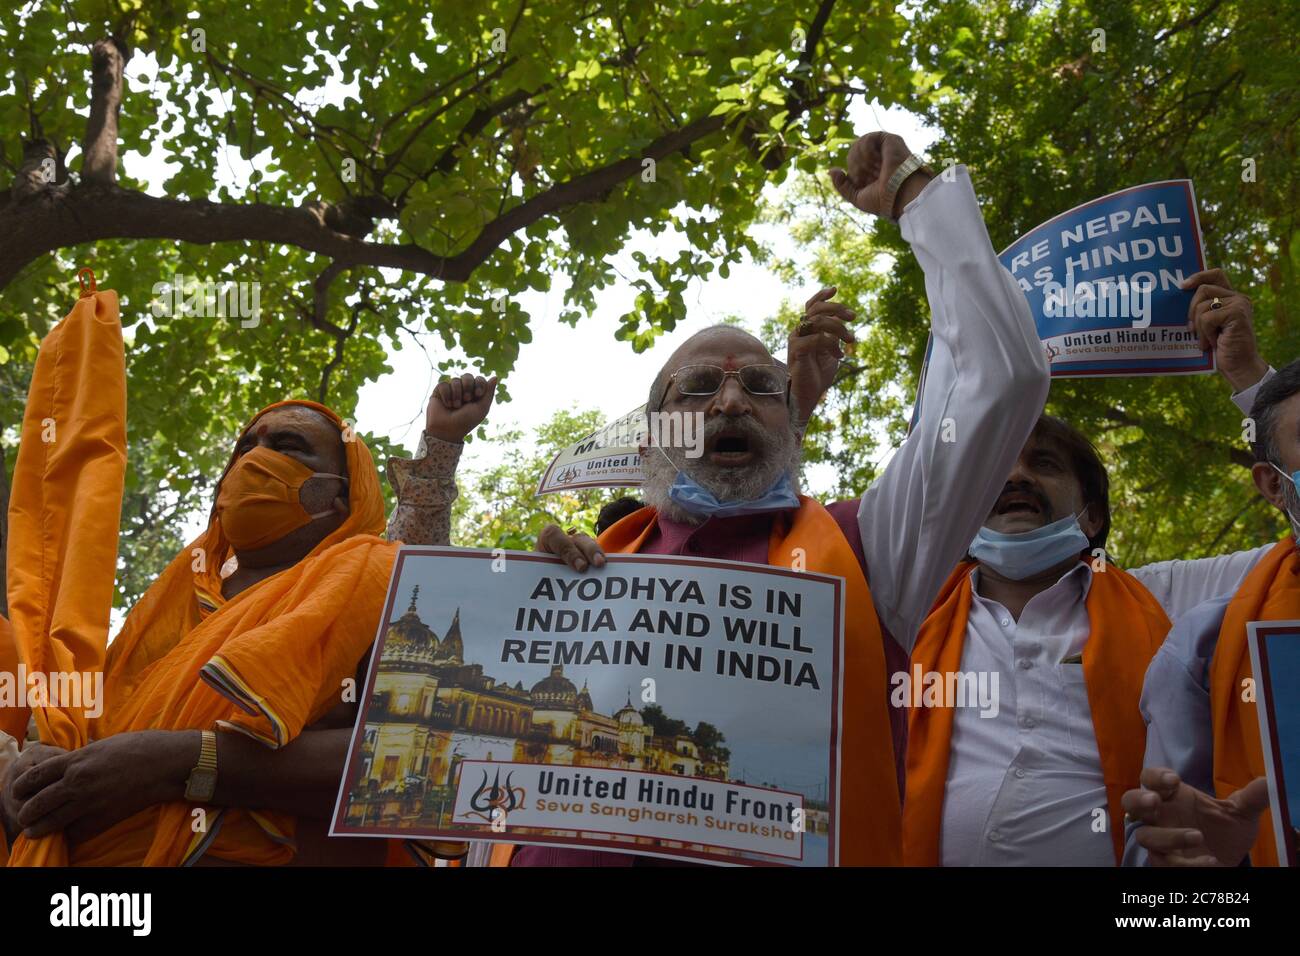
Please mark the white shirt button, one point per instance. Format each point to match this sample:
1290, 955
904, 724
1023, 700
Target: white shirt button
995, 835
1020, 772
1025, 663
1006, 622
1026, 721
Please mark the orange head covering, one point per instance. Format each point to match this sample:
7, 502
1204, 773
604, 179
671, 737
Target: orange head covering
365, 497
169, 608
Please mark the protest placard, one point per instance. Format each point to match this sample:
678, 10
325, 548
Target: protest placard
1275, 660
666, 706
607, 458
1103, 283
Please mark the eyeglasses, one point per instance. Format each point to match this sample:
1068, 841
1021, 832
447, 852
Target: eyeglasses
697, 380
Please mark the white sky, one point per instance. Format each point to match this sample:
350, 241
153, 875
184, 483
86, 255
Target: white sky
563, 367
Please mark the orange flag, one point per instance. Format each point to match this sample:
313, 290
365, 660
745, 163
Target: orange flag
64, 509
13, 720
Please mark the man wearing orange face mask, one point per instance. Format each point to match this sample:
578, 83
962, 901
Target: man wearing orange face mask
231, 689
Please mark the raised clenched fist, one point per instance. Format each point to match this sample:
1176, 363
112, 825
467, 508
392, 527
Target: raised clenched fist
458, 406
873, 158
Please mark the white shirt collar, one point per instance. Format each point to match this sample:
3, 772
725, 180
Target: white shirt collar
1080, 575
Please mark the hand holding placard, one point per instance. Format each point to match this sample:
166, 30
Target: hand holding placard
1221, 318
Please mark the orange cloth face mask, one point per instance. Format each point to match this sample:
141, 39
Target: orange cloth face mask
259, 499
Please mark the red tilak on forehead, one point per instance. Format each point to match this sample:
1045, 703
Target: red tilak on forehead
730, 363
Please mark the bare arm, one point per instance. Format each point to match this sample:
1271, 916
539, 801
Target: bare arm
301, 778
88, 790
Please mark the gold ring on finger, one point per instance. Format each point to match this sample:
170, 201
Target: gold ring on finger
1215, 303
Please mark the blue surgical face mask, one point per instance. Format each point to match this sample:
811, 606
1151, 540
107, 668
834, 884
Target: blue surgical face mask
1020, 556
1294, 478
690, 495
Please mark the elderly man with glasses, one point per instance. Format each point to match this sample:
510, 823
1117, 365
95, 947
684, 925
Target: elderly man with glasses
736, 495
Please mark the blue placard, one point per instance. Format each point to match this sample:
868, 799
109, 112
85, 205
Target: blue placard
1103, 283
1275, 664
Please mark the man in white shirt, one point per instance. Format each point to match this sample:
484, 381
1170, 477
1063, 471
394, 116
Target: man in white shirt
1203, 789
1036, 777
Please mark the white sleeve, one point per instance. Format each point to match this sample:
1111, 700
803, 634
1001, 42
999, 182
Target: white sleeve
1245, 399
1181, 585
983, 392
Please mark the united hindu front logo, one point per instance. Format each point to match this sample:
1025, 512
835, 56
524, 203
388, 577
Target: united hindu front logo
496, 800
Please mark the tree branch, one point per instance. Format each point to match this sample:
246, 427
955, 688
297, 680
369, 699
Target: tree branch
395, 158
97, 209
40, 159
799, 88
321, 298
475, 124
583, 188
1187, 22
419, 101
29, 230
340, 334
799, 97
108, 59
1253, 501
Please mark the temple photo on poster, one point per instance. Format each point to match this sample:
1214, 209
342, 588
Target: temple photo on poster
431, 710
460, 727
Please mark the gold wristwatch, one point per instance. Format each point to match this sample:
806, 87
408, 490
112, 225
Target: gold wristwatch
202, 782
905, 169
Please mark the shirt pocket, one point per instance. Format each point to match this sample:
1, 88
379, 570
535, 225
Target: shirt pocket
1078, 713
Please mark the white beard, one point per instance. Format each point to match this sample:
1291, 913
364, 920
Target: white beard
777, 455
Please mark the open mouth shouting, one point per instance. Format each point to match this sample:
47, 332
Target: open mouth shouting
1019, 502
730, 447
1022, 505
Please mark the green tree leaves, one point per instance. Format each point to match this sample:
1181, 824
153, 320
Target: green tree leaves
497, 508
1046, 122
484, 141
